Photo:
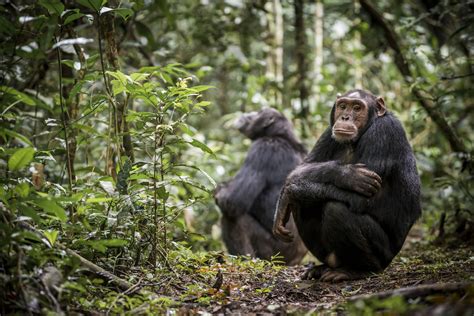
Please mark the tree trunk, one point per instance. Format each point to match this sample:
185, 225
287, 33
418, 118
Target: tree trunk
318, 51
275, 56
300, 42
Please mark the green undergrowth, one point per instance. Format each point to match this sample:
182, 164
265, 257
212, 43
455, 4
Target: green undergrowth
195, 280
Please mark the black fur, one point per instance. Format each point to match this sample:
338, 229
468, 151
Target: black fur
248, 200
363, 233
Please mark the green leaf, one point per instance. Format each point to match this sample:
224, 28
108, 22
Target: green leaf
202, 104
202, 146
6, 27
22, 189
125, 13
72, 17
123, 78
98, 200
13, 134
30, 212
19, 96
213, 182
51, 207
51, 235
21, 158
139, 76
102, 245
201, 88
53, 6
161, 192
95, 5
118, 87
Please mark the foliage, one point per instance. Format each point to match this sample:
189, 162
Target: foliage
109, 147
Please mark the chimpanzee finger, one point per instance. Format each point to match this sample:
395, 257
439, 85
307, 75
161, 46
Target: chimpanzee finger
373, 183
370, 174
360, 165
328, 276
283, 234
365, 190
371, 189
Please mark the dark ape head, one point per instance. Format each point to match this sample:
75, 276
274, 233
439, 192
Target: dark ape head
353, 113
266, 122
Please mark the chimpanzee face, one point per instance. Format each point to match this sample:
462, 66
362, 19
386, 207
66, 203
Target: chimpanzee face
351, 114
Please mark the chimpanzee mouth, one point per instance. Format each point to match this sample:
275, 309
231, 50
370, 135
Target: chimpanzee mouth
347, 132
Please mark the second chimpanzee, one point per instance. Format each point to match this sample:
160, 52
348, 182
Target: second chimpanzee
357, 194
248, 201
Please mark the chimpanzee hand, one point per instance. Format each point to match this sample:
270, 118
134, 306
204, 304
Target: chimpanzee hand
358, 203
361, 180
282, 216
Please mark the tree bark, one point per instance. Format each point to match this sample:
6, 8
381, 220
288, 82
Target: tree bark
318, 50
425, 100
300, 41
275, 55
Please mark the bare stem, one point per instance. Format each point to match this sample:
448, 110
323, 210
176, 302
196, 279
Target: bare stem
63, 121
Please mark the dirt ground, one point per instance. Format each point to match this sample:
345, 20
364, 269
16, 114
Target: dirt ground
419, 264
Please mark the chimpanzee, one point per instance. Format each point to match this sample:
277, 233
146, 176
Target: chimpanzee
357, 194
248, 201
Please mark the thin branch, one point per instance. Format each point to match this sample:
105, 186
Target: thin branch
457, 76
63, 119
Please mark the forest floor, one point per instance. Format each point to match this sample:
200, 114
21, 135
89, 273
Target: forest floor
440, 280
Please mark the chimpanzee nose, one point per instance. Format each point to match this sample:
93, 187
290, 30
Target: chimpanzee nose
345, 117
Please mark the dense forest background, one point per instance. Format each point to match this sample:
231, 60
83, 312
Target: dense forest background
116, 124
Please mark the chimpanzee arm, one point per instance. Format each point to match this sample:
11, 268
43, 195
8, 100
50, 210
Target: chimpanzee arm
297, 190
351, 177
239, 194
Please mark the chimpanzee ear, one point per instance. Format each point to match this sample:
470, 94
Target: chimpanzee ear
381, 108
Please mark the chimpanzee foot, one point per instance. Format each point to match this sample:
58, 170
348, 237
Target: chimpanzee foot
338, 275
314, 271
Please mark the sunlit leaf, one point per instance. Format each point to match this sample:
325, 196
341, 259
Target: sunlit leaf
51, 235
98, 200
139, 76
201, 88
51, 207
20, 96
202, 146
21, 158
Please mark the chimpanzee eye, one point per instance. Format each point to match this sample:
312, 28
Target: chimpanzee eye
357, 108
342, 106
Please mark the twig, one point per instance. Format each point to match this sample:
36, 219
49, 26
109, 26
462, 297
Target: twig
457, 76
416, 291
121, 283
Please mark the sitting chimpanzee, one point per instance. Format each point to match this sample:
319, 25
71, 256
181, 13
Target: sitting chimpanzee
357, 194
248, 201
